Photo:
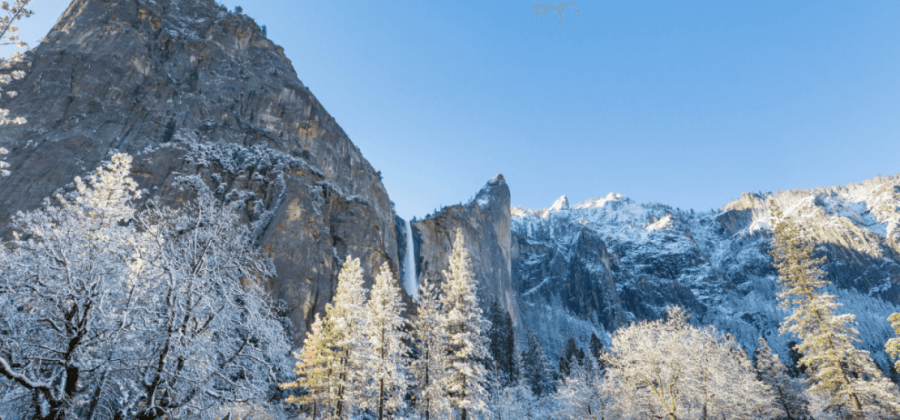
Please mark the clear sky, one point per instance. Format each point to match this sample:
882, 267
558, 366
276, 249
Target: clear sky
688, 103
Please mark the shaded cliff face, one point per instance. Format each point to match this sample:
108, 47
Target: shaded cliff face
569, 264
185, 87
643, 257
485, 224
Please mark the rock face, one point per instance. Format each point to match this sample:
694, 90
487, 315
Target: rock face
609, 261
485, 224
569, 263
188, 88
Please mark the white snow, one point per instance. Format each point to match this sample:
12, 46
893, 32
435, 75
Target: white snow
731, 275
561, 203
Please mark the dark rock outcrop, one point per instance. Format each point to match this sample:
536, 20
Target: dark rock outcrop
188, 88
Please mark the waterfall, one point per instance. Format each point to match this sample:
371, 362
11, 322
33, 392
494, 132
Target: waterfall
410, 283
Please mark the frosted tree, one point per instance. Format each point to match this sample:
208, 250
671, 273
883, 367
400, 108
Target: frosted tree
537, 371
893, 345
580, 394
9, 32
502, 341
213, 337
9, 35
789, 397
596, 347
387, 340
345, 320
571, 354
515, 400
428, 368
671, 369
65, 309
10, 68
100, 319
312, 370
836, 368
466, 345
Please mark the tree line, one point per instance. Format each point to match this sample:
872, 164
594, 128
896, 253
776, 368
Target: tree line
667, 368
110, 311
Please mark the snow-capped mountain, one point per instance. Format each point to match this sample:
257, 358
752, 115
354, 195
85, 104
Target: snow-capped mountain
609, 261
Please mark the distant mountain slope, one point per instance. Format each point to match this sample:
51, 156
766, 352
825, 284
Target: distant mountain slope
610, 261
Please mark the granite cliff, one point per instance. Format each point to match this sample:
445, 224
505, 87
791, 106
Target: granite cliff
188, 88
609, 261
485, 224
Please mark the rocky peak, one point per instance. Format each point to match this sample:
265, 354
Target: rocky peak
494, 189
186, 87
561, 203
485, 223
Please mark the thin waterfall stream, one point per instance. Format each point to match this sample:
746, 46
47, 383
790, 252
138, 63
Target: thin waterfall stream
410, 282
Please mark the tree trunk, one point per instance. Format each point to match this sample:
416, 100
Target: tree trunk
381, 399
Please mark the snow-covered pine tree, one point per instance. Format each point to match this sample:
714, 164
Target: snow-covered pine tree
428, 368
893, 344
312, 370
789, 396
836, 368
387, 340
580, 394
536, 369
466, 345
571, 354
596, 349
345, 320
502, 341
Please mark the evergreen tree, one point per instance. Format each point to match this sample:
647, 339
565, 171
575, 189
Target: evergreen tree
387, 340
345, 322
597, 349
837, 369
428, 368
536, 369
581, 395
571, 355
466, 345
796, 369
312, 370
788, 391
502, 342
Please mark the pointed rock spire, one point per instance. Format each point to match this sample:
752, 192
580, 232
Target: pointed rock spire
562, 203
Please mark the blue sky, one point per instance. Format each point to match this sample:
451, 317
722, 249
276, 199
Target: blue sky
688, 103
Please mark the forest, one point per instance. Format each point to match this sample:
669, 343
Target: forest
113, 311
120, 303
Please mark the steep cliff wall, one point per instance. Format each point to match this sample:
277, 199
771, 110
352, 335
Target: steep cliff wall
644, 257
485, 224
568, 263
186, 87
